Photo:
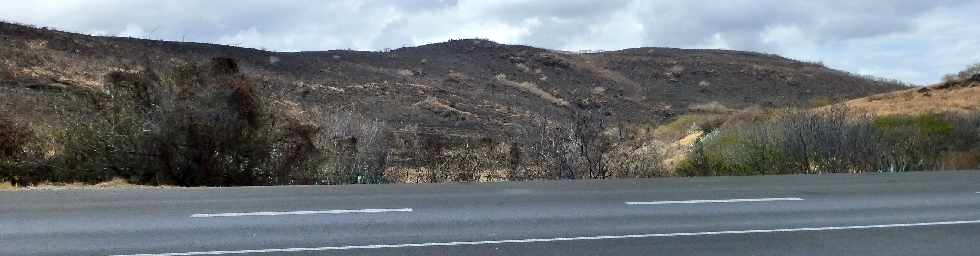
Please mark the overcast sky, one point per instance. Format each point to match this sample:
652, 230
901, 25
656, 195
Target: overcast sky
914, 41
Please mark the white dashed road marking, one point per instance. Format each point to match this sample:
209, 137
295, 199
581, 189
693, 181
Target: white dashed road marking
241, 214
742, 200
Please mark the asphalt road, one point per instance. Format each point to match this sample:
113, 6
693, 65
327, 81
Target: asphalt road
928, 213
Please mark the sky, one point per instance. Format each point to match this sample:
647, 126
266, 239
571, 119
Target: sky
909, 40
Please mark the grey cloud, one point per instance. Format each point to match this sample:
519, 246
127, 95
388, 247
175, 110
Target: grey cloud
915, 41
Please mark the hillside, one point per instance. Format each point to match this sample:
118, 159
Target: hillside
944, 114
460, 86
961, 96
78, 108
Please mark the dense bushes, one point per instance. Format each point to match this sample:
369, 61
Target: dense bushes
586, 148
206, 125
643, 162
354, 148
191, 126
21, 155
835, 140
425, 157
552, 151
13, 136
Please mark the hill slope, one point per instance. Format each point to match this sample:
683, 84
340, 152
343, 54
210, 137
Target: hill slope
460, 86
961, 96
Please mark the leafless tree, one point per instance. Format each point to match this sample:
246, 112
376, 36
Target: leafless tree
588, 128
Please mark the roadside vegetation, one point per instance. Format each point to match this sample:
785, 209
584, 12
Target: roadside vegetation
928, 128
210, 125
206, 125
88, 109
837, 140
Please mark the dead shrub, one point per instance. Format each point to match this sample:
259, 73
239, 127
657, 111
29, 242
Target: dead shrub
643, 162
14, 136
961, 160
189, 127
588, 128
710, 107
356, 148
20, 157
687, 124
224, 66
456, 77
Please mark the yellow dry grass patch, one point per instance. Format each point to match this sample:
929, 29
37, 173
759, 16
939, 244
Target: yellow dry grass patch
6, 186
689, 140
113, 183
914, 101
677, 151
684, 125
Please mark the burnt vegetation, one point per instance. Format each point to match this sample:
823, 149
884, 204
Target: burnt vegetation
90, 109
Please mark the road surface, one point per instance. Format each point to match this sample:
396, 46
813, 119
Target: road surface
927, 213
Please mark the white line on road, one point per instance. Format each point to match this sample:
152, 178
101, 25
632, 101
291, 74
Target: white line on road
559, 239
240, 214
742, 200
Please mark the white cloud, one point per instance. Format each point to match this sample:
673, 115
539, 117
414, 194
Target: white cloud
132, 30
915, 41
620, 30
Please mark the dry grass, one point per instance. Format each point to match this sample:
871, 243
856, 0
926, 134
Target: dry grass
110, 184
444, 108
494, 175
424, 175
678, 136
6, 186
961, 160
685, 125
532, 89
408, 175
62, 68
913, 101
710, 107
114, 183
597, 66
676, 152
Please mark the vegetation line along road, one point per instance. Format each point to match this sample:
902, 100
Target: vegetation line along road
85, 109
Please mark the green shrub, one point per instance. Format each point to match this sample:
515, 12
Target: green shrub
685, 124
916, 142
735, 152
921, 125
836, 141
